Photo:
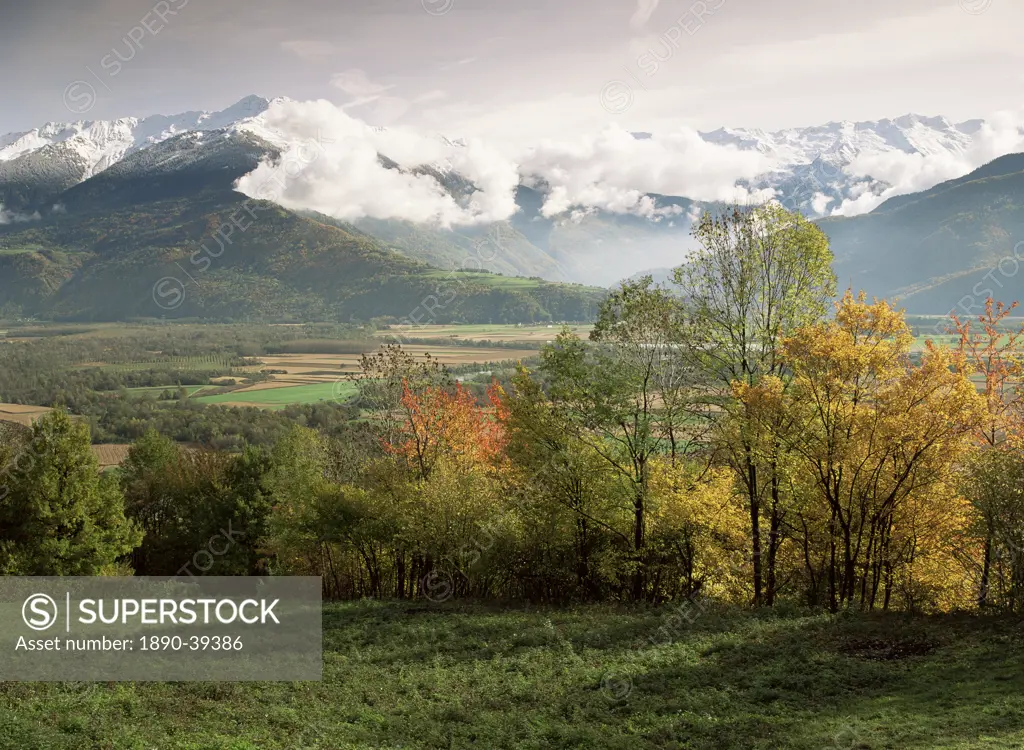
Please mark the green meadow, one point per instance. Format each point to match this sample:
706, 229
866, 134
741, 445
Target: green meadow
281, 397
421, 675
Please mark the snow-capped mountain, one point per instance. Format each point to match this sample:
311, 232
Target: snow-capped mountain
819, 170
909, 134
100, 144
814, 169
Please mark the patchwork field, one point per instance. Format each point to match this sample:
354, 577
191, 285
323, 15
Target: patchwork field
310, 378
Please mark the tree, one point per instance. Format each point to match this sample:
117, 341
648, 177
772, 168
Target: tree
446, 423
564, 493
758, 275
387, 376
627, 393
877, 438
203, 512
994, 354
61, 516
994, 484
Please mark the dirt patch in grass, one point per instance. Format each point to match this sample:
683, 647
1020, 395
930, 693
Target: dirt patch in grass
888, 649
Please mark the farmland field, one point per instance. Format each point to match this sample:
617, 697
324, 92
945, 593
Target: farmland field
310, 378
110, 454
21, 413
415, 675
278, 398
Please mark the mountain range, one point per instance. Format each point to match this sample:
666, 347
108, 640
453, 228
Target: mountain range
94, 214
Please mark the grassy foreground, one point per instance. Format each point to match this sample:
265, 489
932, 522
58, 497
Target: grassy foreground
414, 675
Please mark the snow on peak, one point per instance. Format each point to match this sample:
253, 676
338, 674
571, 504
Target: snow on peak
98, 144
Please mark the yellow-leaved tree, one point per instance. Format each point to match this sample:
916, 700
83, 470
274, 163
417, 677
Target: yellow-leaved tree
873, 440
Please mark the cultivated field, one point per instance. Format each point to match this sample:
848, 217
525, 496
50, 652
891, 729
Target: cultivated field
21, 413
310, 378
266, 396
110, 454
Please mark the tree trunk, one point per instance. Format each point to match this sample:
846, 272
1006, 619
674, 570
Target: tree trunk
985, 568
755, 527
774, 541
638, 543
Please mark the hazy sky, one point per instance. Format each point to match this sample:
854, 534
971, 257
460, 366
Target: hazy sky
517, 68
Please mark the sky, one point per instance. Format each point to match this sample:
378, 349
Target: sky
516, 70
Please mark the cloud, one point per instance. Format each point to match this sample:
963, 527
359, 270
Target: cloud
355, 82
14, 217
819, 204
905, 173
309, 49
610, 170
613, 170
333, 167
644, 10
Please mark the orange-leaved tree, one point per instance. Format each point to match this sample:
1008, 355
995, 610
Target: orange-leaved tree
992, 356
449, 423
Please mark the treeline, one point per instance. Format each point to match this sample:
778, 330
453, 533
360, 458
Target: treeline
729, 437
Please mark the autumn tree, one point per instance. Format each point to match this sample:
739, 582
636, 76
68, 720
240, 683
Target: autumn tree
447, 423
878, 436
387, 376
759, 274
992, 355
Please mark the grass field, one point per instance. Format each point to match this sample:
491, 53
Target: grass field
278, 398
414, 675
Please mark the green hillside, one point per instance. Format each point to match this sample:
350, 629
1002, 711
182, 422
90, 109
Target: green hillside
934, 249
149, 260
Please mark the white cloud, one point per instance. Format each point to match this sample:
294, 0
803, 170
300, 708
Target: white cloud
355, 82
819, 203
342, 176
613, 170
608, 170
14, 217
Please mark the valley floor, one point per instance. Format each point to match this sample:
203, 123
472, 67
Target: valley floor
416, 675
